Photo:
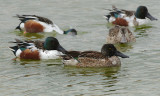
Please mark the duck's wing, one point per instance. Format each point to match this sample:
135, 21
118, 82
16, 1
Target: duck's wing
24, 18
29, 43
92, 54
114, 12
38, 44
20, 42
43, 19
71, 55
127, 12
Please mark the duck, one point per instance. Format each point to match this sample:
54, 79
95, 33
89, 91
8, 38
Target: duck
38, 50
37, 24
120, 33
108, 57
134, 18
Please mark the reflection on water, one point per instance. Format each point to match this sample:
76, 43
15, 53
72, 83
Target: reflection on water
109, 25
25, 62
30, 36
109, 80
107, 72
32, 62
142, 27
142, 30
124, 47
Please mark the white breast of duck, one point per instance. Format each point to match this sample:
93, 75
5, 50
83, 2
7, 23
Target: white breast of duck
50, 54
133, 21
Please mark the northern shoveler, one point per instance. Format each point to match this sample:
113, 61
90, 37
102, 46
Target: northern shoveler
36, 50
120, 34
36, 24
134, 18
108, 57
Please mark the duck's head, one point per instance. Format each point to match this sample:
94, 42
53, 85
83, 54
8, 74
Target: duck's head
109, 50
142, 13
71, 32
52, 43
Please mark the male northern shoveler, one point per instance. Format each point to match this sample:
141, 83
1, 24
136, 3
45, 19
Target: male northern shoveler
36, 50
36, 24
120, 34
134, 18
108, 57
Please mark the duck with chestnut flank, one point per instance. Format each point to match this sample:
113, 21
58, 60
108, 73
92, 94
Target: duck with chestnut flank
36, 50
134, 18
36, 24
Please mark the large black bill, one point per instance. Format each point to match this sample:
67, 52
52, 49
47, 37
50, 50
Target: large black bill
60, 48
121, 55
151, 17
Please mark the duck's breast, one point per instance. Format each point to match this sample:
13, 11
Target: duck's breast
49, 54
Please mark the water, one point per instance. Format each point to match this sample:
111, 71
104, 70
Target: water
138, 75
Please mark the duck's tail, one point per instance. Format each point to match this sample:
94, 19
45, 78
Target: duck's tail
14, 49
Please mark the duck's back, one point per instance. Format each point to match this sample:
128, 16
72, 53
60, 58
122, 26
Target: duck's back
92, 62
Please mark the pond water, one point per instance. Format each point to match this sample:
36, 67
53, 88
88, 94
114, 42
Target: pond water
138, 75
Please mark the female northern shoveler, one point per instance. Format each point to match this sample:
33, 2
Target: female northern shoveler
120, 34
132, 17
36, 24
48, 49
108, 57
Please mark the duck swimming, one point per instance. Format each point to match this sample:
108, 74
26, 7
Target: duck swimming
108, 57
36, 50
120, 34
134, 18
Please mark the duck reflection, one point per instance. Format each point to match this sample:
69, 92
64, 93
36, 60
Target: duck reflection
123, 47
142, 30
30, 36
75, 71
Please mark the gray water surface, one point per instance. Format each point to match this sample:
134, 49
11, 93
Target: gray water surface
139, 75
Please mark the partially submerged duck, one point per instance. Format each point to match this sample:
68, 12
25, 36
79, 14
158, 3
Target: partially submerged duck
108, 57
36, 24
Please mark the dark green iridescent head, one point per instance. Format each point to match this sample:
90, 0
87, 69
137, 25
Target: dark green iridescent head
109, 50
71, 31
52, 43
142, 13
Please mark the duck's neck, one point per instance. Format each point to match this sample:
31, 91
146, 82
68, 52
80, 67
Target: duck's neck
66, 32
72, 31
